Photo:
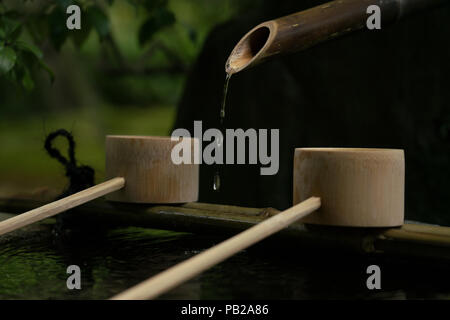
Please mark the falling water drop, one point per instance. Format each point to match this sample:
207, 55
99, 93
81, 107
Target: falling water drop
216, 185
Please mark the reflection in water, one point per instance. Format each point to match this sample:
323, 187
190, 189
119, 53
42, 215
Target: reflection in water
33, 266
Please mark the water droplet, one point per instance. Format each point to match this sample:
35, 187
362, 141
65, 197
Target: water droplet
216, 185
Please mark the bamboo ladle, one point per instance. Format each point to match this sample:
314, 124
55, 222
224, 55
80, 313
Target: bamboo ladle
357, 187
139, 169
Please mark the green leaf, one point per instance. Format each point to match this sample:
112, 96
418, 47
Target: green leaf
192, 33
39, 29
161, 18
65, 3
99, 21
79, 37
44, 66
57, 27
13, 36
27, 80
10, 28
29, 47
8, 59
152, 5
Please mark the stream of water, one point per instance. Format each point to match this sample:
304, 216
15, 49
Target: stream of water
216, 183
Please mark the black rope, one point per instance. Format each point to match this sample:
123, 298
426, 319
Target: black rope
80, 177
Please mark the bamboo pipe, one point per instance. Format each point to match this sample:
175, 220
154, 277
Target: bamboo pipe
140, 170
188, 269
304, 29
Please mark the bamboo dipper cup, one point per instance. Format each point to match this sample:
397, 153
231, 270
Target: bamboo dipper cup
139, 169
357, 187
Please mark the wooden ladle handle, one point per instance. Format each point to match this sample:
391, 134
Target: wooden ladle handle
61, 205
188, 269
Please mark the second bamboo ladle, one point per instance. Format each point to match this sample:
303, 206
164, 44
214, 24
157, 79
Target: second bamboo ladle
357, 188
140, 170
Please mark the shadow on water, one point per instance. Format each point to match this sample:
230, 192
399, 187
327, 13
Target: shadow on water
33, 265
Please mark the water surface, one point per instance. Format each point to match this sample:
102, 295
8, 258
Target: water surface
33, 265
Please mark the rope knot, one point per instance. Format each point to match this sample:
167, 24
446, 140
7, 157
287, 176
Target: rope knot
80, 177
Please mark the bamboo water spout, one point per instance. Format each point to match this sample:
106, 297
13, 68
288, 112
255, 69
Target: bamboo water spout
307, 28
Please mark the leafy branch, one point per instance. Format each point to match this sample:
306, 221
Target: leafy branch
25, 26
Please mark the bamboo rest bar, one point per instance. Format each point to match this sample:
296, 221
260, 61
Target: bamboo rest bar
410, 241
